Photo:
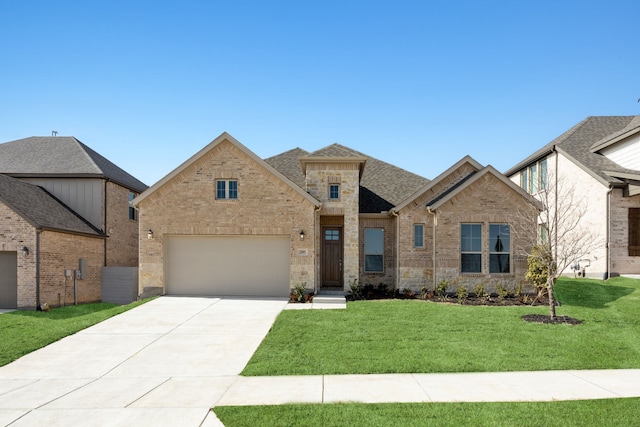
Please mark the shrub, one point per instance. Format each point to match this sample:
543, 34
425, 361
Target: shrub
300, 291
502, 291
441, 289
462, 293
356, 289
481, 294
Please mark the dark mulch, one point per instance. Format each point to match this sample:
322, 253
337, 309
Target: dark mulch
541, 318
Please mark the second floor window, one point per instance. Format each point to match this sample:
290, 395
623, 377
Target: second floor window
334, 192
132, 211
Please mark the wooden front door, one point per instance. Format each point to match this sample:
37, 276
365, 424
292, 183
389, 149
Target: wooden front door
332, 257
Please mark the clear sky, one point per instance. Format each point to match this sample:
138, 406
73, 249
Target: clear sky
419, 84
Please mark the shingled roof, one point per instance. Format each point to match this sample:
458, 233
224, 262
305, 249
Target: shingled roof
382, 185
41, 209
577, 143
62, 156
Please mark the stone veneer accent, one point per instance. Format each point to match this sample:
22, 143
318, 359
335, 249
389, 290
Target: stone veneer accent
319, 175
186, 205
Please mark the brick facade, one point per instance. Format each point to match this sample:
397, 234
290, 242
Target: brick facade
487, 201
60, 252
50, 253
122, 244
186, 205
16, 233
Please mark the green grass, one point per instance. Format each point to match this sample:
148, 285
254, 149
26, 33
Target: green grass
606, 412
407, 336
22, 332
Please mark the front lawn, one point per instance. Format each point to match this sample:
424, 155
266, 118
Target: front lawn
409, 336
606, 412
22, 332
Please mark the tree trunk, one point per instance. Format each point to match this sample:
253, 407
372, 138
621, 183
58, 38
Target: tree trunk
552, 304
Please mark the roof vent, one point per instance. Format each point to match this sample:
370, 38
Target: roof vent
54, 133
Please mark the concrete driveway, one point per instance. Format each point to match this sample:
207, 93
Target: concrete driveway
165, 363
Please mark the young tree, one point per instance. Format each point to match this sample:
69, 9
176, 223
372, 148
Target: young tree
564, 236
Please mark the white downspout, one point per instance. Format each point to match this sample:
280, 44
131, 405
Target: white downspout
608, 247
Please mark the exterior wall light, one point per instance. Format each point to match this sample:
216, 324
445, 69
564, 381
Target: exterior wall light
25, 251
150, 234
301, 235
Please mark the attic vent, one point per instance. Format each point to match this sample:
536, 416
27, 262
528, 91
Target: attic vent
54, 133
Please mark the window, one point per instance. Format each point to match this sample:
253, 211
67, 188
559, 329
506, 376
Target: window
543, 233
226, 189
373, 250
499, 248
471, 248
534, 178
543, 174
524, 179
418, 235
334, 191
132, 211
634, 231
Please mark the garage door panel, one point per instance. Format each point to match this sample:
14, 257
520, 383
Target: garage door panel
228, 265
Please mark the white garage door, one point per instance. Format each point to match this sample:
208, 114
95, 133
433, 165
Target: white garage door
227, 265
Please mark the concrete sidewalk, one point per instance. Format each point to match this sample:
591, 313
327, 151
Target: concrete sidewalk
167, 362
466, 387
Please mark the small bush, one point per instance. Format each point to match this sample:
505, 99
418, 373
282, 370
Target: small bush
356, 289
502, 291
299, 291
462, 294
441, 290
480, 292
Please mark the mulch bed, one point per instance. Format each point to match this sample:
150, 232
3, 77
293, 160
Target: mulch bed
541, 318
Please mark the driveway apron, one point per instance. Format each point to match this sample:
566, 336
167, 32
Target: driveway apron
166, 362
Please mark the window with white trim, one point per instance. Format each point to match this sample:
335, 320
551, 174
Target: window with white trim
226, 189
534, 178
374, 250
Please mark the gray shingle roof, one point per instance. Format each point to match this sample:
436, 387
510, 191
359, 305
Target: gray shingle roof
288, 164
40, 208
577, 143
384, 185
60, 156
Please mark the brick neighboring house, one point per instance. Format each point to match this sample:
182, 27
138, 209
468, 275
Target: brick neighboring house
62, 202
226, 222
600, 159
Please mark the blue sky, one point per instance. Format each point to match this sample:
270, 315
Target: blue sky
418, 84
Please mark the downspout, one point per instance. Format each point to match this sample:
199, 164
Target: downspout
106, 228
555, 217
433, 250
607, 274
397, 272
38, 231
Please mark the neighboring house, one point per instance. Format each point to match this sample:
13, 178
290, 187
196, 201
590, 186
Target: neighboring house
226, 222
63, 203
599, 158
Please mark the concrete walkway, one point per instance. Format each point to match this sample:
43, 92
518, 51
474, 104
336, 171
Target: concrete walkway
167, 362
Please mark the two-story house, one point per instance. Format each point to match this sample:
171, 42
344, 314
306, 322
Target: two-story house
65, 213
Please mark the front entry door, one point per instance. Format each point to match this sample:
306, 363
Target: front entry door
332, 257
